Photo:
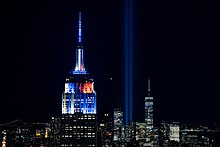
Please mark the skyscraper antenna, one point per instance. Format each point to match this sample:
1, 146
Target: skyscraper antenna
80, 29
148, 87
79, 68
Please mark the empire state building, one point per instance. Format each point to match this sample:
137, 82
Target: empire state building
79, 94
78, 121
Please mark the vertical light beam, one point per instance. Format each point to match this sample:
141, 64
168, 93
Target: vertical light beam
128, 61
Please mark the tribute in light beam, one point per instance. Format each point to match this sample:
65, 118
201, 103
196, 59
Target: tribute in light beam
128, 60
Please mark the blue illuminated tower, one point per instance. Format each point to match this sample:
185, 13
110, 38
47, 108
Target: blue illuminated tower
78, 121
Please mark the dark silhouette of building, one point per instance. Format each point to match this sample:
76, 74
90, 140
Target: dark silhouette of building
22, 134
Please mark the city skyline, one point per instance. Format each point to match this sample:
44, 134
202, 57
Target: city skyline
173, 53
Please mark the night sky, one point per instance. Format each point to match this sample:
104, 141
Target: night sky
176, 44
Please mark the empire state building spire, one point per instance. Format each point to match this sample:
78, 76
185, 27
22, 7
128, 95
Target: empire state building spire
80, 29
79, 68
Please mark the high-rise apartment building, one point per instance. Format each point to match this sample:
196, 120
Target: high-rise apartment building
174, 132
118, 127
106, 130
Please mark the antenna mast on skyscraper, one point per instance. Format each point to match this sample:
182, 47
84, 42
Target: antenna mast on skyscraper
79, 68
148, 87
80, 29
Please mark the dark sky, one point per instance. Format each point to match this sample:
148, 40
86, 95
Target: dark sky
175, 43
